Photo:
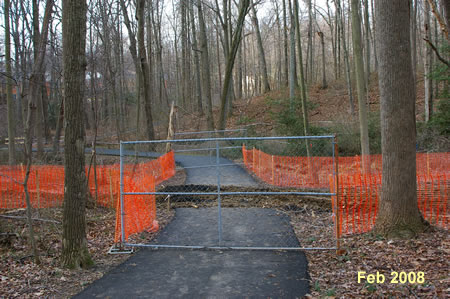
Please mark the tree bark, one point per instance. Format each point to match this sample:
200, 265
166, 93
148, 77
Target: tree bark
324, 75
262, 57
428, 60
206, 75
344, 46
367, 40
144, 68
39, 127
302, 75
75, 253
398, 214
445, 4
9, 82
195, 50
285, 46
414, 37
243, 9
361, 85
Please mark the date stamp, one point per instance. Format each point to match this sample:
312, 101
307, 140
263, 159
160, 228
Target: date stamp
395, 277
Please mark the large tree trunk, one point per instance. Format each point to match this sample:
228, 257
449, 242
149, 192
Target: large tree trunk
398, 214
144, 68
413, 22
75, 253
206, 75
361, 85
9, 100
262, 57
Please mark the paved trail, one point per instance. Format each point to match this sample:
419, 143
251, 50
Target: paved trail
201, 170
172, 273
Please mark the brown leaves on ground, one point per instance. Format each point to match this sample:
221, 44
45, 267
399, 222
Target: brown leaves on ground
331, 275
21, 278
337, 276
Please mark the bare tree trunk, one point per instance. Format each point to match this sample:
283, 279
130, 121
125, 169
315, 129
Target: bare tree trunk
75, 253
367, 40
347, 63
59, 125
134, 55
206, 76
9, 82
185, 66
195, 50
39, 127
18, 54
414, 38
285, 45
292, 62
310, 57
398, 214
243, 9
262, 57
333, 31
445, 4
144, 68
302, 76
374, 24
34, 94
277, 48
361, 85
324, 75
428, 59
238, 76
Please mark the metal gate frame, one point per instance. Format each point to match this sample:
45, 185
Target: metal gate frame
334, 195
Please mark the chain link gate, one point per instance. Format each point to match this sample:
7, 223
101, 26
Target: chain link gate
232, 192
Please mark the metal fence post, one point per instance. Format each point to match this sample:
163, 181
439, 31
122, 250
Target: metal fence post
219, 220
336, 173
122, 211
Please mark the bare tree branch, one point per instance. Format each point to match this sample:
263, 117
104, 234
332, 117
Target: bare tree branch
437, 52
444, 27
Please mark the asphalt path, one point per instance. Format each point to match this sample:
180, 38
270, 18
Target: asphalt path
176, 273
200, 170
185, 273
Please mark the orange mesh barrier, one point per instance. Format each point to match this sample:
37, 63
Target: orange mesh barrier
359, 193
139, 210
359, 196
46, 182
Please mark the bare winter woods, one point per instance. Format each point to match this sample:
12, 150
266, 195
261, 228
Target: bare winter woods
202, 55
77, 73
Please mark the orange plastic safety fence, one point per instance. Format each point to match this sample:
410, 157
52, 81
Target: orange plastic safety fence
359, 193
46, 182
139, 210
359, 197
